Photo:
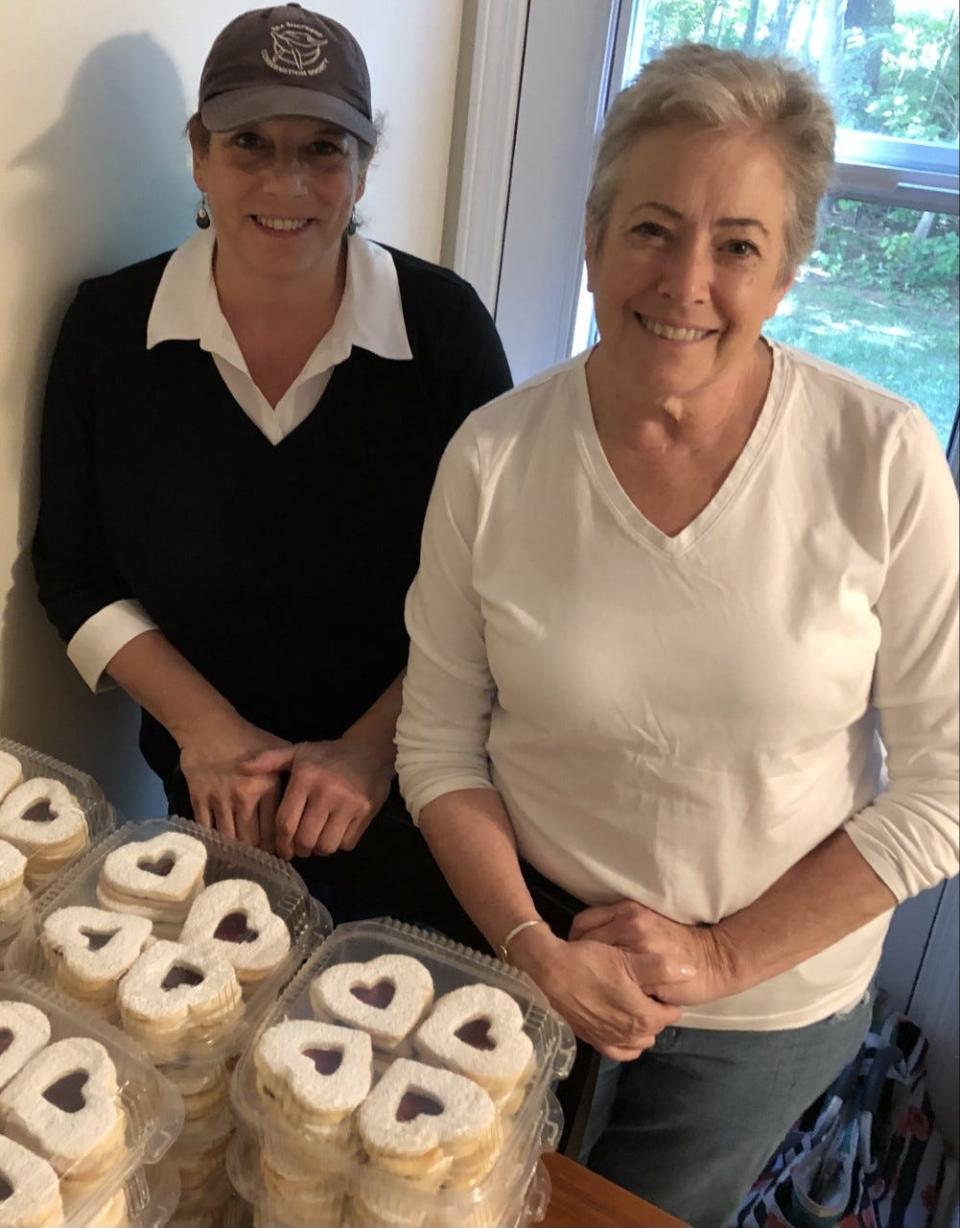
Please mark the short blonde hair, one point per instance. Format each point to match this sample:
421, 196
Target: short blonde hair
729, 91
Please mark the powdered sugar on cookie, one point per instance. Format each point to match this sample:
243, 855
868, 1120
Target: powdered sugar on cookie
65, 1105
386, 996
235, 916
30, 1197
24, 1030
94, 944
477, 1030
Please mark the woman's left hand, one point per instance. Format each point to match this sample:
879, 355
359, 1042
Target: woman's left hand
645, 932
335, 789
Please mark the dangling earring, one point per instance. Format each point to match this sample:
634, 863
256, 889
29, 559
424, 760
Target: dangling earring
203, 217
354, 224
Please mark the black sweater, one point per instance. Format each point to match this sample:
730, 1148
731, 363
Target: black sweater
278, 571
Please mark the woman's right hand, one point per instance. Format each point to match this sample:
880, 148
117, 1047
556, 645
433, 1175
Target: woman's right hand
240, 806
599, 990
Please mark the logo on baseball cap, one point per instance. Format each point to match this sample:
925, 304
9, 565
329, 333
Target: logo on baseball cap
286, 60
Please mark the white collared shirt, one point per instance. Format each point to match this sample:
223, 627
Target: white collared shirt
186, 308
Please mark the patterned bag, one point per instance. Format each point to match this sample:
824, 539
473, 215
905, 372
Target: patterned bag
871, 1158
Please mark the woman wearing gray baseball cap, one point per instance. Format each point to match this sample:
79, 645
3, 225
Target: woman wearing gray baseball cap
239, 442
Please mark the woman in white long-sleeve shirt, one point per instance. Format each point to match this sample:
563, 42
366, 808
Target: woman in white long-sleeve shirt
672, 593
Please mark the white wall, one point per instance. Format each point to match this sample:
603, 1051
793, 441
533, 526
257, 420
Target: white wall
96, 175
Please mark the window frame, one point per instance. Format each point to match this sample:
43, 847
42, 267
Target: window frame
527, 262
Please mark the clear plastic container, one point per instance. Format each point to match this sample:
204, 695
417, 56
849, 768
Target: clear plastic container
151, 1196
498, 1203
533, 1127
153, 1109
100, 815
205, 1207
289, 898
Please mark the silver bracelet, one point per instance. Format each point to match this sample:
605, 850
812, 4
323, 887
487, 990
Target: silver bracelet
517, 929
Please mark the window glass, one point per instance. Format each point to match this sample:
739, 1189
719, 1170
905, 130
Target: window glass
880, 294
889, 66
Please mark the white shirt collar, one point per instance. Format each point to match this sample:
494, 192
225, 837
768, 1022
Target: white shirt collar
186, 307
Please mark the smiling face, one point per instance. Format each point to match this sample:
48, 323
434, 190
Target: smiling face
281, 193
690, 263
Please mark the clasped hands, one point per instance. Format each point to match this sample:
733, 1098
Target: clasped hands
332, 792
625, 972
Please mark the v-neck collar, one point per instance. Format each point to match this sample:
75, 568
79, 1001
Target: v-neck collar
608, 486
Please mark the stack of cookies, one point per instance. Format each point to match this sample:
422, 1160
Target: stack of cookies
477, 1031
402, 1081
428, 1126
63, 1125
64, 1105
89, 950
386, 997
235, 917
178, 996
139, 937
43, 819
30, 1190
50, 815
352, 1131
156, 878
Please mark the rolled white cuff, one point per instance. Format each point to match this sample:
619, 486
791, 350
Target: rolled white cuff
101, 637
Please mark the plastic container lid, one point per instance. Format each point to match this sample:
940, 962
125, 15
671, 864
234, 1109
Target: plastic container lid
153, 1108
100, 815
289, 898
534, 1127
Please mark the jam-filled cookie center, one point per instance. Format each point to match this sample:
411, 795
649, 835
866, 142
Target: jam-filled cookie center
98, 939
476, 1034
379, 996
161, 867
6, 1039
67, 1092
325, 1061
181, 974
415, 1104
234, 927
39, 812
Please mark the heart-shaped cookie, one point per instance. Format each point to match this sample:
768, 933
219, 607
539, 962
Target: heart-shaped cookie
44, 821
477, 1030
11, 773
235, 915
386, 996
29, 1188
416, 1110
156, 878
24, 1030
175, 991
94, 947
65, 1105
307, 1069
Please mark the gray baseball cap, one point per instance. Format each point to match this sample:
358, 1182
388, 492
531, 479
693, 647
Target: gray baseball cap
286, 60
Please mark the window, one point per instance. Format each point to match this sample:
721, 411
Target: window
880, 293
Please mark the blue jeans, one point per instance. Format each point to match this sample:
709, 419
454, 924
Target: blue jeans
691, 1123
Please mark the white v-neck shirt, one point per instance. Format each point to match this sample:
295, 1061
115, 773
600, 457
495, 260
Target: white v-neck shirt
186, 308
678, 720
